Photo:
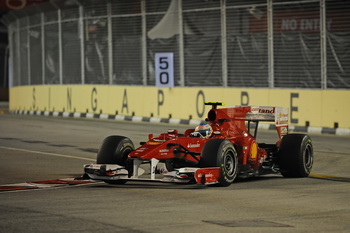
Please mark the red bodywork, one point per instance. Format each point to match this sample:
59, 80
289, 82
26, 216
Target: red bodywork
227, 123
182, 152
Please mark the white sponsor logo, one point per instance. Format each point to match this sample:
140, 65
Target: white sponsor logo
206, 175
193, 145
142, 149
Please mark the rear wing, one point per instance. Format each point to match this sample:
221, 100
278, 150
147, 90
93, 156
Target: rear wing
278, 115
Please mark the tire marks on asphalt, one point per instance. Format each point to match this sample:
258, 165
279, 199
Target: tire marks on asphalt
92, 150
44, 184
46, 153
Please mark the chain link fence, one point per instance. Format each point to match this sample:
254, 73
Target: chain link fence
258, 43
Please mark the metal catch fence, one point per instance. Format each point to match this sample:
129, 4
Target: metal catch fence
257, 43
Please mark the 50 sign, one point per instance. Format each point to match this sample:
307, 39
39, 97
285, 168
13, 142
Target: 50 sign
164, 63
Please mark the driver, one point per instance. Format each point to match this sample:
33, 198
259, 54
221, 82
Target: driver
203, 130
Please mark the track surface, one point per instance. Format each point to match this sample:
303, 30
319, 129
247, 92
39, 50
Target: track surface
34, 148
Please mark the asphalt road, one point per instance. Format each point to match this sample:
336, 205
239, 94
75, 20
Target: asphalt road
37, 148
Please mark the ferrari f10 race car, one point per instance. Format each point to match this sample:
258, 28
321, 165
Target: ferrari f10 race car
214, 153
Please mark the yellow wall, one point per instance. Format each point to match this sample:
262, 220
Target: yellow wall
321, 108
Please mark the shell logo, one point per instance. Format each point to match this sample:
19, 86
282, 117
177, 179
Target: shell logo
253, 150
16, 4
154, 143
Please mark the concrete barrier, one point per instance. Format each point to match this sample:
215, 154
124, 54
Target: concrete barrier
308, 108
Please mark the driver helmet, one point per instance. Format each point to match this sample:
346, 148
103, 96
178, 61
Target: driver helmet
204, 129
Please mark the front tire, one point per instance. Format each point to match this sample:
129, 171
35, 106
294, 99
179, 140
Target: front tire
115, 150
221, 153
296, 155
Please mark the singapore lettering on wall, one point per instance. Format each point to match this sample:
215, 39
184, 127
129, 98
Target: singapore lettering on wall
200, 99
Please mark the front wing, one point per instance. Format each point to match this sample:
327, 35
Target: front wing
113, 172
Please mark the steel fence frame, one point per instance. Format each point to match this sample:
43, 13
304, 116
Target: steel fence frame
20, 29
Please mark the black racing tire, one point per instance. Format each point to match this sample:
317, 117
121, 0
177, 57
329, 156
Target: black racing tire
115, 150
296, 155
221, 153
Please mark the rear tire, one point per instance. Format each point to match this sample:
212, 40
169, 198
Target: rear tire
115, 150
296, 155
221, 153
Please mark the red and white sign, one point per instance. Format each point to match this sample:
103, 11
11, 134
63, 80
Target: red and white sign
17, 4
301, 21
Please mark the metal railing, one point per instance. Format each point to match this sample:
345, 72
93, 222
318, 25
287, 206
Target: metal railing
258, 43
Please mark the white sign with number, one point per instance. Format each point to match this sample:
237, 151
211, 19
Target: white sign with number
164, 63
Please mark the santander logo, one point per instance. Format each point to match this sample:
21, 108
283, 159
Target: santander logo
266, 110
190, 145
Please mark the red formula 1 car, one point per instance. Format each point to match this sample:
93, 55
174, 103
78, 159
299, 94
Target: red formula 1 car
213, 153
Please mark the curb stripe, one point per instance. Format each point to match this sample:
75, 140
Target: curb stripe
44, 184
15, 188
328, 131
62, 181
305, 129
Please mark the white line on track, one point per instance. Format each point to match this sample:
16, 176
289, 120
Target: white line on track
47, 153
